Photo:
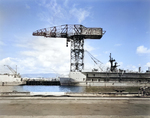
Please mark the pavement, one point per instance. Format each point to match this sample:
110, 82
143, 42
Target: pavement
74, 107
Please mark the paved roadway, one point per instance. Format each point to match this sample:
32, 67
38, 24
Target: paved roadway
74, 107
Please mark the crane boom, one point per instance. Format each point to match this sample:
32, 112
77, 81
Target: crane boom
12, 70
76, 35
68, 31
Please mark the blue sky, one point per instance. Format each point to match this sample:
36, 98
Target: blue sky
126, 22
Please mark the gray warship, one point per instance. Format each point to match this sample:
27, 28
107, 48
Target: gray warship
111, 77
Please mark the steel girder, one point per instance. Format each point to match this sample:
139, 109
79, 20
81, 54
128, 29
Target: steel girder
77, 54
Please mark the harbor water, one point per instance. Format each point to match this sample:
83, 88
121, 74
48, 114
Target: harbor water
74, 89
38, 88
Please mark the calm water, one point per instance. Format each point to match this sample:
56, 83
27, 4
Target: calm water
42, 88
53, 88
76, 89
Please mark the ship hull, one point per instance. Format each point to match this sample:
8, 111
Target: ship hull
10, 80
106, 79
105, 84
10, 83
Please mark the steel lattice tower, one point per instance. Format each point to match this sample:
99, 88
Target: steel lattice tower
77, 54
76, 35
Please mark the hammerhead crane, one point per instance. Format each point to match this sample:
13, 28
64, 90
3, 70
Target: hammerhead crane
76, 35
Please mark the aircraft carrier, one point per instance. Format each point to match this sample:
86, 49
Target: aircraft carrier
111, 77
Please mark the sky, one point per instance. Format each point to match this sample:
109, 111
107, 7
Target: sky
127, 37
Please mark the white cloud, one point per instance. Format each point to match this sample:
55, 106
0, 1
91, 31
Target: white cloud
52, 13
1, 43
79, 13
142, 49
27, 6
120, 64
147, 64
106, 52
88, 47
107, 65
131, 68
45, 54
56, 13
7, 61
117, 44
55, 8
66, 3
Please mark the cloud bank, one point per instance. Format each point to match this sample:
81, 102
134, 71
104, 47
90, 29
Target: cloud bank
55, 12
45, 55
142, 50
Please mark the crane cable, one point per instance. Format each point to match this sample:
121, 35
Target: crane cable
94, 59
93, 56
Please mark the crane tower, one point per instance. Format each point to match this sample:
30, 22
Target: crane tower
76, 35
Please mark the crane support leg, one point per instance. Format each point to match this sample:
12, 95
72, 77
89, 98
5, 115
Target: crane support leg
77, 54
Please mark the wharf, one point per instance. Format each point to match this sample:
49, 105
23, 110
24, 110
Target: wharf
74, 107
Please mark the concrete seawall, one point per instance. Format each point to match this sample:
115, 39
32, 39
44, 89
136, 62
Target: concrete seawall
64, 94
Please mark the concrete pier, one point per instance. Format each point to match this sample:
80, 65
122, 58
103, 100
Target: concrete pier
74, 107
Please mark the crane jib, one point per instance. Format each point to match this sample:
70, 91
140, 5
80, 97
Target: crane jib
70, 31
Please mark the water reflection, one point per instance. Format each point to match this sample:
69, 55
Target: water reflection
75, 89
53, 88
